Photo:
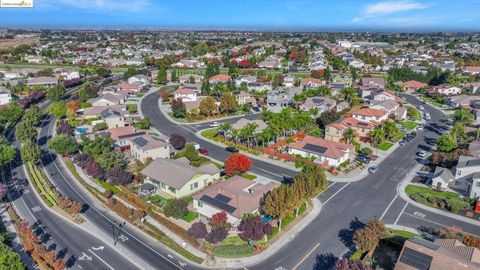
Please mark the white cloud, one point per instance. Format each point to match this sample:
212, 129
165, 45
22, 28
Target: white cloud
389, 7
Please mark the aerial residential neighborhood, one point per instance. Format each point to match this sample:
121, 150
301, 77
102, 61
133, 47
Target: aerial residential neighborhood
142, 135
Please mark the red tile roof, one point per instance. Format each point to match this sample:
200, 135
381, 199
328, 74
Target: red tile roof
334, 150
220, 77
370, 112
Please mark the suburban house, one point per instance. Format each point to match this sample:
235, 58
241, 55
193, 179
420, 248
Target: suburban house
335, 131
412, 86
373, 81
473, 87
246, 98
322, 104
441, 254
464, 178
474, 148
288, 80
219, 78
42, 81
370, 115
113, 118
392, 108
278, 100
245, 79
139, 79
243, 122
122, 136
177, 178
5, 96
322, 150
461, 100
188, 78
130, 87
471, 70
96, 111
108, 99
236, 196
146, 147
447, 89
311, 82
185, 94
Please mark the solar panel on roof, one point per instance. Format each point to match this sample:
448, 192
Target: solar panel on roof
315, 148
425, 243
222, 198
218, 204
140, 141
416, 259
362, 124
131, 135
474, 162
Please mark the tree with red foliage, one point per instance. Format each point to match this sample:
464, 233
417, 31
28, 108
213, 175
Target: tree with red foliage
118, 176
94, 170
219, 221
58, 265
293, 55
237, 164
244, 63
254, 229
346, 264
198, 230
177, 141
83, 160
217, 235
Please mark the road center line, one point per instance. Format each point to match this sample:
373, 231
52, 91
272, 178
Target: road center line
306, 256
399, 215
101, 259
388, 207
334, 194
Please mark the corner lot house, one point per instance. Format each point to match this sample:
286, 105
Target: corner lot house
442, 254
322, 150
464, 178
177, 178
186, 95
236, 196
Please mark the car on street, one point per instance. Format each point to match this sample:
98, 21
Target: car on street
402, 142
422, 153
373, 169
364, 159
22, 182
203, 151
232, 149
420, 127
421, 108
214, 124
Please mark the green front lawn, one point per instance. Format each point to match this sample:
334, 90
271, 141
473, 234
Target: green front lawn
404, 234
413, 189
209, 133
232, 251
191, 216
412, 112
409, 125
249, 176
384, 146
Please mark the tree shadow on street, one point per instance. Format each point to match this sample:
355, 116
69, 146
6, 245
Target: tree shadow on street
346, 235
325, 261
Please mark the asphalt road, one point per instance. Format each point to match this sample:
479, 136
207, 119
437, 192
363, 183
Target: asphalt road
345, 205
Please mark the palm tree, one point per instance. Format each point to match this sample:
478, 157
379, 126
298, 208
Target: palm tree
391, 131
349, 94
458, 131
251, 131
235, 134
464, 116
349, 135
376, 136
225, 127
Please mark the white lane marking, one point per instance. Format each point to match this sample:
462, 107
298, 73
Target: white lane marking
399, 215
104, 216
418, 214
388, 207
436, 223
306, 256
335, 194
98, 257
98, 248
85, 257
36, 209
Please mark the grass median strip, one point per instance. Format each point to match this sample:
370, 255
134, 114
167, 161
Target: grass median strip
46, 193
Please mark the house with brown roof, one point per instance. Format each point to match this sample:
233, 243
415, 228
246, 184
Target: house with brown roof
370, 115
311, 82
471, 70
373, 81
236, 196
322, 150
335, 131
185, 94
442, 254
219, 78
176, 178
42, 81
412, 86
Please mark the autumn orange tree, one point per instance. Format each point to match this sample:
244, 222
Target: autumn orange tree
237, 164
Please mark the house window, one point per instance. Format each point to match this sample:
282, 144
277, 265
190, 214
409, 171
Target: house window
478, 184
200, 204
172, 190
458, 183
163, 186
459, 173
194, 186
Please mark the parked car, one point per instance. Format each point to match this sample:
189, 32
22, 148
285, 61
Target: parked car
232, 149
214, 124
203, 151
420, 127
364, 159
22, 182
402, 142
421, 108
422, 153
373, 169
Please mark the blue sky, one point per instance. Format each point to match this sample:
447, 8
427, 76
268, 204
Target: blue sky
401, 15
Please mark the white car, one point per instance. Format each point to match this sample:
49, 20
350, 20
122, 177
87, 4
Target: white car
214, 124
421, 108
420, 127
422, 153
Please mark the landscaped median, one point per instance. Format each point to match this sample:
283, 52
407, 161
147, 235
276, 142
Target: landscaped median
211, 135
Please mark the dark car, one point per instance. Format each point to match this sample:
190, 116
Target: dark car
364, 159
232, 149
203, 151
23, 182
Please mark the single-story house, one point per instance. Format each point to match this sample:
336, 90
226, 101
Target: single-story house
185, 94
243, 122
42, 81
219, 78
370, 115
236, 196
177, 178
322, 150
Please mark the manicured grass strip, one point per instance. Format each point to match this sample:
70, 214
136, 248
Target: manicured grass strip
413, 189
404, 234
191, 216
209, 133
409, 125
412, 112
160, 236
232, 251
384, 146
50, 201
249, 176
47, 187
